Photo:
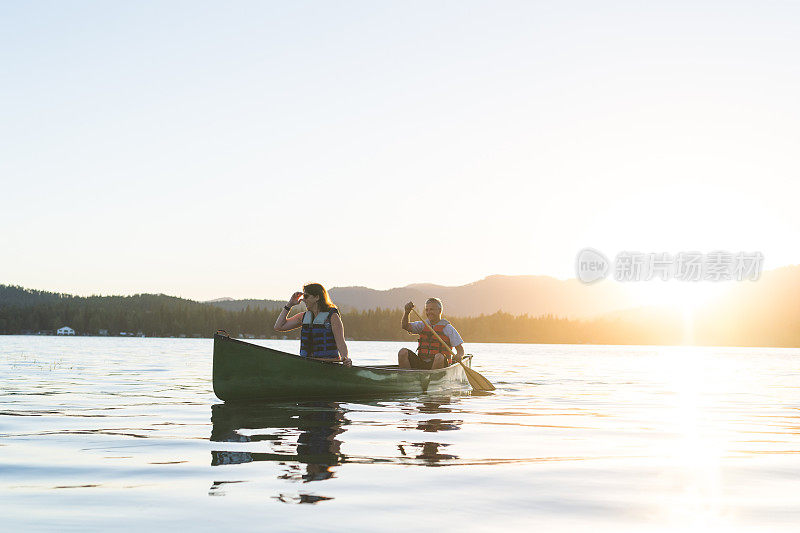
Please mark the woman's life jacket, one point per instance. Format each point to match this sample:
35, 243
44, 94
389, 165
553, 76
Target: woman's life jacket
316, 336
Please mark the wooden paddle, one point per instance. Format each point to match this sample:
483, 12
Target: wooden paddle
475, 379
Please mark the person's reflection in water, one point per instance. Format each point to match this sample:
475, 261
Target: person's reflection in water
428, 451
317, 445
437, 405
303, 436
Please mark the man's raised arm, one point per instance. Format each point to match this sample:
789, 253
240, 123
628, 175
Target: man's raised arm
405, 325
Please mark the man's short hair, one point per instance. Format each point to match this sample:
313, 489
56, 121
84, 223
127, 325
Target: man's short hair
436, 301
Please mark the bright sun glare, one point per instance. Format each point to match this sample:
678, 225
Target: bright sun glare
683, 296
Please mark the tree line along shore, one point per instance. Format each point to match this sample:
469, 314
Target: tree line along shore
166, 316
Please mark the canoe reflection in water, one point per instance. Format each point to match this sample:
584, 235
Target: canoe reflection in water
302, 436
305, 438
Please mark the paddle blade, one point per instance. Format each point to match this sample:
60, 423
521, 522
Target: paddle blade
476, 380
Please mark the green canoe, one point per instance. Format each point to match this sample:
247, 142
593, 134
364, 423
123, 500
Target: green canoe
246, 371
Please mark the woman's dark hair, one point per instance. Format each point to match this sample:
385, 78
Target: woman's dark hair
315, 289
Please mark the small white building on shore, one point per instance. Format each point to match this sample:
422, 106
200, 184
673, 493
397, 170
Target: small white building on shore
66, 330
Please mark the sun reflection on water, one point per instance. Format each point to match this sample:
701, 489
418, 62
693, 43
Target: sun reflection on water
694, 454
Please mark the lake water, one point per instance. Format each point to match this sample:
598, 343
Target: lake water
126, 433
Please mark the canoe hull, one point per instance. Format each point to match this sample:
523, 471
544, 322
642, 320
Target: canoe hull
246, 371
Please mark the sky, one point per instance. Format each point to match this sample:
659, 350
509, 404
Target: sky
241, 149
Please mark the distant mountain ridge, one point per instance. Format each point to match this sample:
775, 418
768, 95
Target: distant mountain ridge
531, 295
762, 313
538, 296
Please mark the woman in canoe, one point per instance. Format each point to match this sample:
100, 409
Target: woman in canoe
322, 331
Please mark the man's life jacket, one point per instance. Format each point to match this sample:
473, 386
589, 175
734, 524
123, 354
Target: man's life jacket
429, 345
316, 336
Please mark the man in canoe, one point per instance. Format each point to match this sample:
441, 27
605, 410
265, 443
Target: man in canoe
321, 328
430, 353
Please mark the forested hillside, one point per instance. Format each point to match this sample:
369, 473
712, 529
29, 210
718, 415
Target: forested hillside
764, 315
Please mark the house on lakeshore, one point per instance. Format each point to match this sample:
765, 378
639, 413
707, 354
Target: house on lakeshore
66, 330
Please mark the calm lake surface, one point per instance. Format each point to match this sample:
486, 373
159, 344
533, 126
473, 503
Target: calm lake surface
126, 433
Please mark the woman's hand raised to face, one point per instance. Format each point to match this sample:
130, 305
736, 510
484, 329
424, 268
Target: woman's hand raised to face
295, 299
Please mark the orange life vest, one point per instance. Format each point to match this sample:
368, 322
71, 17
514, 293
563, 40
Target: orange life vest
429, 345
